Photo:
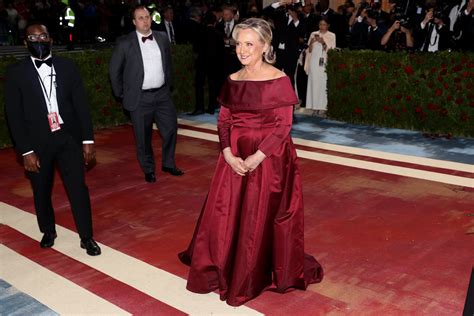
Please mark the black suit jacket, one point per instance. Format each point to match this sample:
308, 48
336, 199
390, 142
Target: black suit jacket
126, 67
27, 111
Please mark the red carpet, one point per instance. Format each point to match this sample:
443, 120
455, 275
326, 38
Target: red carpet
388, 244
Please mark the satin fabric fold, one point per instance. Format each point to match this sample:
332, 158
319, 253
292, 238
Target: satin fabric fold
250, 233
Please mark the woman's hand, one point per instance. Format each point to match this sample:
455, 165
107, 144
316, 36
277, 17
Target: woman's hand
236, 163
253, 161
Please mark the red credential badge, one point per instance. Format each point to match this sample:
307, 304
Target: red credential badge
54, 122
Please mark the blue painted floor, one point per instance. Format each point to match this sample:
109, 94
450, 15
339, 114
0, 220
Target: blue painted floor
14, 302
389, 140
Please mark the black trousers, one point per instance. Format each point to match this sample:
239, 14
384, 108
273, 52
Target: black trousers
155, 106
62, 150
214, 77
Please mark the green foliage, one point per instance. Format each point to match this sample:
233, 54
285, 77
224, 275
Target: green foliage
104, 109
426, 92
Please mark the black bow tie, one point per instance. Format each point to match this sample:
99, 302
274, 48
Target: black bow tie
144, 38
39, 62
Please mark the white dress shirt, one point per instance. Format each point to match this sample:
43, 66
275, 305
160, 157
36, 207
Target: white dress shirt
154, 76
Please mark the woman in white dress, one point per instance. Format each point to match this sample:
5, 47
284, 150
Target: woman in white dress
315, 66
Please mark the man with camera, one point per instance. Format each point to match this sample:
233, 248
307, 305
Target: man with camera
432, 34
399, 36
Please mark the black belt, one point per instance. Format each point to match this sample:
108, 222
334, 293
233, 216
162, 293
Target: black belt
153, 89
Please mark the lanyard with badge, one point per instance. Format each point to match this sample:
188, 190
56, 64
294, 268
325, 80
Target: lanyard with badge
53, 118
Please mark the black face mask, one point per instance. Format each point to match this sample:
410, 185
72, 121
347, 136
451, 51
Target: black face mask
39, 50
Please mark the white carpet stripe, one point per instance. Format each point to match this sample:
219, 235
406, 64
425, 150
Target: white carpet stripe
146, 278
361, 164
52, 290
361, 151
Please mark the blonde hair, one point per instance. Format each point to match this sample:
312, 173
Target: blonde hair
264, 32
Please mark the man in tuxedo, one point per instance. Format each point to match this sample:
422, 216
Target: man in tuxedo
141, 75
432, 34
167, 24
50, 124
288, 36
226, 27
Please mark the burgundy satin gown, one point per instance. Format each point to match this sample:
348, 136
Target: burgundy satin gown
250, 235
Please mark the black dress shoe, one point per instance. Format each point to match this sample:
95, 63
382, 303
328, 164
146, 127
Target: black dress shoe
150, 177
196, 112
91, 247
173, 171
48, 240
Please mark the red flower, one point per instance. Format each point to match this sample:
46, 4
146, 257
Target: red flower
446, 85
342, 66
457, 68
471, 104
357, 110
465, 74
404, 109
438, 92
408, 98
432, 107
430, 85
386, 108
383, 69
433, 69
470, 65
443, 72
469, 85
449, 98
440, 79
443, 112
409, 70
362, 77
398, 97
98, 61
459, 101
443, 65
371, 66
356, 65
457, 80
418, 109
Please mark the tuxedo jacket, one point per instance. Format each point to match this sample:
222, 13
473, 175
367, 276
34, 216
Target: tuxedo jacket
424, 37
27, 111
126, 67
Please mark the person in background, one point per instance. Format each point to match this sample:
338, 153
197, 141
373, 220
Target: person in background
315, 66
140, 71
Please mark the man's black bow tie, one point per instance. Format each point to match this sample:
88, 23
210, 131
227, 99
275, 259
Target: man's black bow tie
144, 38
48, 62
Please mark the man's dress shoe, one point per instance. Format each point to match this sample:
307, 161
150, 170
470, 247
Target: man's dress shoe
173, 171
91, 247
150, 177
48, 240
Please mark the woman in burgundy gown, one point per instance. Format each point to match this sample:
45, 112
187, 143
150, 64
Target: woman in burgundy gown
250, 235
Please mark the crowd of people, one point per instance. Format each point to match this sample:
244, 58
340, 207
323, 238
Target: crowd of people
391, 25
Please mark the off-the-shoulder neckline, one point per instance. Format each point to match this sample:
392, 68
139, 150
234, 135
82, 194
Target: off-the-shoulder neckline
267, 80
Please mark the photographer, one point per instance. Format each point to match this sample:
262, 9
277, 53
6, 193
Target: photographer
466, 41
433, 34
288, 34
398, 37
368, 31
